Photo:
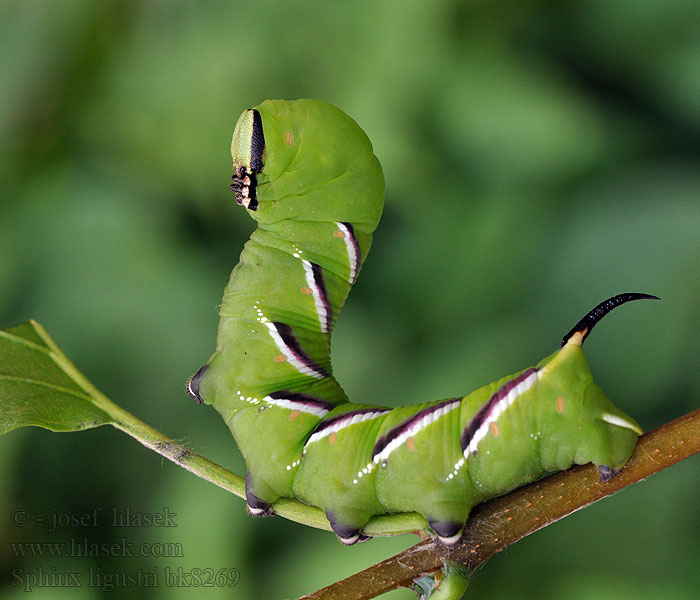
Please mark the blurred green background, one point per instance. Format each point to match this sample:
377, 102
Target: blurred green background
539, 157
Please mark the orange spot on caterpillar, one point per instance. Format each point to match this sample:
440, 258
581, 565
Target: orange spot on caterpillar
494, 429
280, 358
306, 291
560, 404
294, 414
331, 438
339, 234
410, 444
288, 138
561, 484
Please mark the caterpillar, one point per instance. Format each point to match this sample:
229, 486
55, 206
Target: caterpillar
307, 174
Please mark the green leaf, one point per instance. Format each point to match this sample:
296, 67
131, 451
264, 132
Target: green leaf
40, 386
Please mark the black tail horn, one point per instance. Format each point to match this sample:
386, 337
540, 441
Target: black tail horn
588, 322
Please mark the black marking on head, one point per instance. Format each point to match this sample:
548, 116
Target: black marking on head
257, 144
405, 425
245, 181
285, 332
484, 412
447, 531
304, 399
193, 384
606, 473
256, 506
245, 187
589, 321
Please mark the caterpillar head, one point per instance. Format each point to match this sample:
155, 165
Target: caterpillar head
299, 160
247, 148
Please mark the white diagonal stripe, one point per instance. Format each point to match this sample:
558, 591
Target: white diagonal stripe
350, 241
299, 365
498, 410
414, 429
343, 423
300, 406
319, 300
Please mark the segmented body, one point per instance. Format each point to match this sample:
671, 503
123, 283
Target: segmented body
317, 193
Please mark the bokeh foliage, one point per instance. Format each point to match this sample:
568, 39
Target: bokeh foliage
539, 157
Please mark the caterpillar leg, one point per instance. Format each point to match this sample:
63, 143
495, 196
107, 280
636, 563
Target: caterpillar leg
446, 519
606, 473
347, 525
448, 532
256, 506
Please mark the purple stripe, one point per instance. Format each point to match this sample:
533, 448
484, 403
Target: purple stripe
482, 415
395, 432
347, 417
285, 332
304, 399
321, 285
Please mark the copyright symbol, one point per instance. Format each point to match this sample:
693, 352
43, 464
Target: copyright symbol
20, 517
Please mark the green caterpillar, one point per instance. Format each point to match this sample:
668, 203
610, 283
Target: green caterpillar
306, 173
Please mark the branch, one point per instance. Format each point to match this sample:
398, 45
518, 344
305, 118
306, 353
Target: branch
497, 524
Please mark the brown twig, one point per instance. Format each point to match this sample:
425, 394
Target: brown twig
497, 524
